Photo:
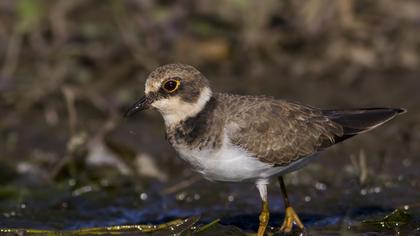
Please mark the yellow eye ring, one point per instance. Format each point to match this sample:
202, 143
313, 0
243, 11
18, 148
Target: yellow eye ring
171, 85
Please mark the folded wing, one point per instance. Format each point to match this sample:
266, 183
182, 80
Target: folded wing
280, 132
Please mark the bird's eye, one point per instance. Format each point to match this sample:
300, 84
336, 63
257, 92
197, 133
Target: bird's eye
171, 85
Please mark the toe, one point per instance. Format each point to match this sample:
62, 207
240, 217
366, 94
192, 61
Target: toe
290, 218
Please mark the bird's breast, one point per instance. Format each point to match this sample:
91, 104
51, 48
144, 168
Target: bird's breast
227, 163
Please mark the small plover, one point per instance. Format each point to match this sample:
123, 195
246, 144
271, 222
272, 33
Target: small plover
235, 138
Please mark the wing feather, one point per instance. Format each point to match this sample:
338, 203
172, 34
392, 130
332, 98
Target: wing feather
277, 131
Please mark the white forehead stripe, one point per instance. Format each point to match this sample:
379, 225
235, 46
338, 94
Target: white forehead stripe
151, 87
175, 110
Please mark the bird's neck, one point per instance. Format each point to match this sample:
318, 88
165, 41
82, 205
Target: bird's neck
185, 110
199, 130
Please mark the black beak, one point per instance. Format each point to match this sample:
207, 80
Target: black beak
142, 104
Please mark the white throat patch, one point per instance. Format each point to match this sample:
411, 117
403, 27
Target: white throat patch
175, 110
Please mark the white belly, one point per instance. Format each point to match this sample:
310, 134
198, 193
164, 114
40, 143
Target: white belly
233, 164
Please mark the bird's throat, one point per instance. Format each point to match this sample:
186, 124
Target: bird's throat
176, 110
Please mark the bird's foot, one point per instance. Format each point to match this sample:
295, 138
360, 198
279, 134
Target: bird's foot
290, 218
264, 217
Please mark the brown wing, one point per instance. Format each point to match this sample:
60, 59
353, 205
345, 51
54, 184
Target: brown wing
280, 132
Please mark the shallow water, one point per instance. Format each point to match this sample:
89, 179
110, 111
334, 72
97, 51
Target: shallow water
323, 209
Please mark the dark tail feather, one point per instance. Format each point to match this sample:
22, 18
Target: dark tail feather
357, 121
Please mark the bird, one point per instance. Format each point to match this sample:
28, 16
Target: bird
235, 138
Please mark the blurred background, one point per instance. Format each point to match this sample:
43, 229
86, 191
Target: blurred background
69, 69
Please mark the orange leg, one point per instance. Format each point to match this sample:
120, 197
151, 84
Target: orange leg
264, 217
265, 213
290, 217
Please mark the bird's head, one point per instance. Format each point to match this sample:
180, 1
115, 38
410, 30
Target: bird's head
177, 91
